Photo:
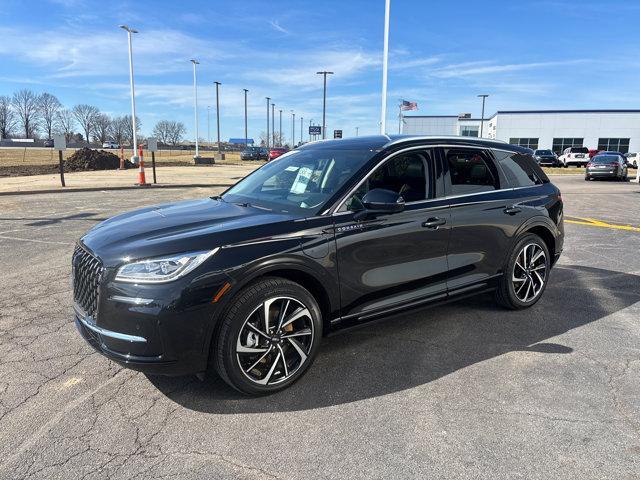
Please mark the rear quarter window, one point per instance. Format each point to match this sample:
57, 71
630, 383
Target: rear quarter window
520, 169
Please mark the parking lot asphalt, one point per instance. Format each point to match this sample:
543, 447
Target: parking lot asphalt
465, 390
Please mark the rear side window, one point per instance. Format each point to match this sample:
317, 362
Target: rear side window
520, 169
471, 171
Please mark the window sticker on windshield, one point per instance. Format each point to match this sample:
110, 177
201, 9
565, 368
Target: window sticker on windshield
301, 181
291, 168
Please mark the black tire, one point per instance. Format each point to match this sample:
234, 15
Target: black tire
226, 360
506, 294
586, 179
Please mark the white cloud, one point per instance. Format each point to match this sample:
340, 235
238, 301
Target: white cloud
486, 67
276, 26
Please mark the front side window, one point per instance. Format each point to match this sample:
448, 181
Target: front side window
520, 169
406, 174
300, 181
471, 171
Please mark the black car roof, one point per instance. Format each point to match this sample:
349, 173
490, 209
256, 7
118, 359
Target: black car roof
380, 142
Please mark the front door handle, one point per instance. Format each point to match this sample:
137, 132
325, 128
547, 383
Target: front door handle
434, 223
512, 210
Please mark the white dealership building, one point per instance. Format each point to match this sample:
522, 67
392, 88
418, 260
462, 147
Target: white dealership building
617, 130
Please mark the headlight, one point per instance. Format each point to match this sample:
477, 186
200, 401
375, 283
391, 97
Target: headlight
162, 269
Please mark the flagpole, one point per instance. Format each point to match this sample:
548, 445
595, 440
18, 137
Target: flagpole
399, 117
385, 62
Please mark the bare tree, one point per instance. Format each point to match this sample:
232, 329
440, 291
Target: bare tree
65, 124
176, 132
7, 117
25, 104
103, 128
86, 116
274, 138
162, 131
48, 107
128, 128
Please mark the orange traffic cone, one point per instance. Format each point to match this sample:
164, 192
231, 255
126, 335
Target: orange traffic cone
142, 182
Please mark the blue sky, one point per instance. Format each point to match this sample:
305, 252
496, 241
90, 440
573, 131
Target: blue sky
527, 54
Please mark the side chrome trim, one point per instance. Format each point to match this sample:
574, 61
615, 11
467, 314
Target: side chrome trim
131, 300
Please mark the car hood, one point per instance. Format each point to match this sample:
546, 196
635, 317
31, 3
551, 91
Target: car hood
184, 226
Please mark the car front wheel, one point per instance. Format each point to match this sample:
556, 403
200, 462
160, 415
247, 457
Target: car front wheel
526, 274
269, 336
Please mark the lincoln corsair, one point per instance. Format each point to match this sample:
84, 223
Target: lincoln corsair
327, 236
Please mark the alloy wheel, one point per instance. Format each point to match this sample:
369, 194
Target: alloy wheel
529, 272
275, 340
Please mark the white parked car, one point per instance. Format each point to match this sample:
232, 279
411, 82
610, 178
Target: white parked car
577, 156
110, 145
633, 159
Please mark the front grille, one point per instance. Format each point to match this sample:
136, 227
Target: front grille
87, 272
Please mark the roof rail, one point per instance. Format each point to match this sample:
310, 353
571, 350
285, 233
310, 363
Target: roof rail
408, 138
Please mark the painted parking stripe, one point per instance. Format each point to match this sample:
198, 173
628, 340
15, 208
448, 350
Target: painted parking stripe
592, 222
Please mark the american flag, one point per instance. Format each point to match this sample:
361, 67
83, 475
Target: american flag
405, 105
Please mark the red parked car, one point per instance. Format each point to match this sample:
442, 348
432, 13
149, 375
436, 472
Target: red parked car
276, 152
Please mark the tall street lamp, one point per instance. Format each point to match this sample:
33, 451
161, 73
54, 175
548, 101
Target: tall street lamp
268, 100
324, 100
134, 157
280, 132
301, 128
246, 135
208, 129
385, 64
293, 128
484, 97
195, 104
310, 123
273, 123
357, 128
218, 113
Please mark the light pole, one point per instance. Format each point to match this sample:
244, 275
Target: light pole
195, 103
246, 135
357, 128
293, 129
310, 123
484, 97
301, 128
218, 113
280, 131
134, 157
324, 100
208, 129
273, 123
385, 64
268, 99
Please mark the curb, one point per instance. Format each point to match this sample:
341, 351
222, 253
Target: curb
100, 189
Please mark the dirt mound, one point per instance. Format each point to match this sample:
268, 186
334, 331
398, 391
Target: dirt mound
88, 159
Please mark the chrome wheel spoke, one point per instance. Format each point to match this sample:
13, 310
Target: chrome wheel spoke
284, 361
536, 257
301, 333
299, 313
296, 345
265, 314
255, 329
258, 361
283, 311
269, 374
244, 349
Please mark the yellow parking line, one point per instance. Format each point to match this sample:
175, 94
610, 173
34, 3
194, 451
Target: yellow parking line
592, 222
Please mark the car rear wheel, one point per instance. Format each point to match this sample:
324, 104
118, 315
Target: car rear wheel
269, 336
526, 274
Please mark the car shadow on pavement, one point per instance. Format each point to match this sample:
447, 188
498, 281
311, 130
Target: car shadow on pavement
42, 221
420, 346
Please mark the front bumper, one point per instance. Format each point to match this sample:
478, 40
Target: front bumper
162, 329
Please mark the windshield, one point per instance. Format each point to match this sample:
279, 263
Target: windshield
579, 150
300, 181
605, 159
543, 152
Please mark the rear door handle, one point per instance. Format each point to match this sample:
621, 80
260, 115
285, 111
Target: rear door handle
434, 222
512, 210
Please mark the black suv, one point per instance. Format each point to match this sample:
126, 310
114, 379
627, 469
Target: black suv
332, 234
254, 153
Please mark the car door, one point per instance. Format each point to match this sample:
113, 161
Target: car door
484, 217
394, 259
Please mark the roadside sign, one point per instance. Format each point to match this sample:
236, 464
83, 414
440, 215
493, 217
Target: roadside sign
59, 142
337, 134
315, 130
152, 144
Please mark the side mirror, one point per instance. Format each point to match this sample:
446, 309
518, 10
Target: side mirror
380, 201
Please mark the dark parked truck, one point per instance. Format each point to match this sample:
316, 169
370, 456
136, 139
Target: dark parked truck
329, 235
